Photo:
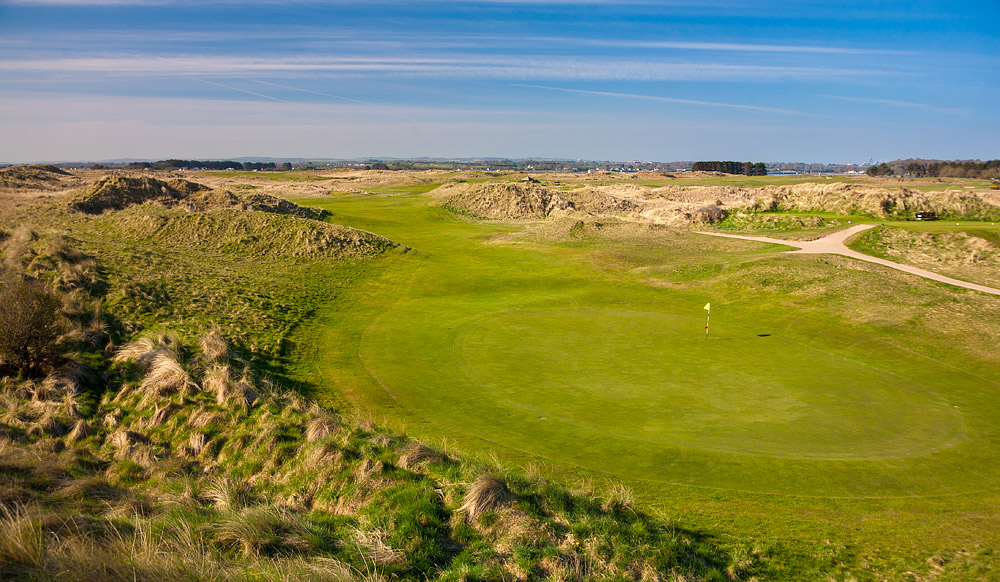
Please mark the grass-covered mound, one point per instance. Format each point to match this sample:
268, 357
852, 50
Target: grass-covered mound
972, 256
36, 177
681, 205
503, 200
252, 234
120, 191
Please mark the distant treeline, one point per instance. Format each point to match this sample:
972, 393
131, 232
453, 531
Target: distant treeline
938, 169
745, 168
208, 165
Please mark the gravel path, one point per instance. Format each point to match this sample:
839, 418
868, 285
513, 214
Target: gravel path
833, 244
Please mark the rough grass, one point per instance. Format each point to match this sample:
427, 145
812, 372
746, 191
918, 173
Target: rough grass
970, 256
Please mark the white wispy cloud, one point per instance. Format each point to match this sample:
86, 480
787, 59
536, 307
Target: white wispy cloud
482, 67
671, 100
745, 47
895, 103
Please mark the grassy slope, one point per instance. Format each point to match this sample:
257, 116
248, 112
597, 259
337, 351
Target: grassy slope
818, 308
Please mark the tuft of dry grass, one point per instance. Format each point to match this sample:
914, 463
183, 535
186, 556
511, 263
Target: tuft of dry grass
374, 543
123, 439
162, 414
47, 424
487, 493
146, 349
203, 417
80, 431
228, 494
214, 347
196, 442
260, 530
619, 498
417, 454
320, 428
165, 376
22, 541
93, 487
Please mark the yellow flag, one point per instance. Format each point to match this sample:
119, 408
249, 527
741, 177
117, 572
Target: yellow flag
708, 307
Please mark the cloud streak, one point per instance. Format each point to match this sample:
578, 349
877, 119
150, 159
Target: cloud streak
482, 67
895, 103
672, 100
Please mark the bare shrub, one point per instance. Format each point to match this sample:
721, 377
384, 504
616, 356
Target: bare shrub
30, 323
487, 493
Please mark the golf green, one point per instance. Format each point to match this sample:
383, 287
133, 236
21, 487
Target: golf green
585, 367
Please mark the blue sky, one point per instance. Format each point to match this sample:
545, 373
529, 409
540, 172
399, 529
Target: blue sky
675, 80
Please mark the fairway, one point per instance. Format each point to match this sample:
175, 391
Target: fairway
559, 352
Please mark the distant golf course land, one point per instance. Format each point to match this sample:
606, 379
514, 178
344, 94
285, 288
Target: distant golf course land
830, 400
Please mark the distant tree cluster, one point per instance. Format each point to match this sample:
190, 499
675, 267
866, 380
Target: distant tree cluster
957, 169
745, 168
881, 170
208, 165
937, 169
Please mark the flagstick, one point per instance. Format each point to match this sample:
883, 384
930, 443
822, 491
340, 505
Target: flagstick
708, 318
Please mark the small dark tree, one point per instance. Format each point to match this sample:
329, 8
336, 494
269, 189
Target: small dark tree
29, 325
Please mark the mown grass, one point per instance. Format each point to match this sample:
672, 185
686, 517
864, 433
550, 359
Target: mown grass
480, 334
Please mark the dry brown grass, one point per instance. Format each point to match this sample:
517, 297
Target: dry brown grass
147, 348
320, 428
618, 497
80, 431
22, 541
487, 493
203, 418
165, 376
375, 544
228, 494
162, 414
417, 454
196, 442
214, 347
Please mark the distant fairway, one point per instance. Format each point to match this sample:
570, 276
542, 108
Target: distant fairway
565, 352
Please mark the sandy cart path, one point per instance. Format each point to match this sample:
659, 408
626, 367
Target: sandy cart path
833, 244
